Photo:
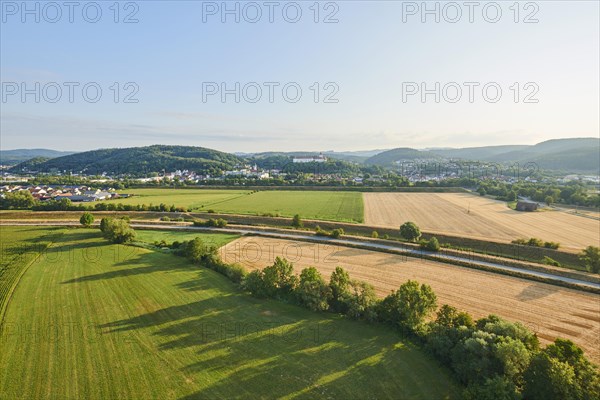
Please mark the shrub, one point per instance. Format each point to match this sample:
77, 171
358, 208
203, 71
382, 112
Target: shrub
86, 219
375, 235
165, 218
535, 242
235, 272
211, 211
336, 233
550, 261
213, 223
320, 232
430, 245
551, 245
520, 241
297, 222
386, 237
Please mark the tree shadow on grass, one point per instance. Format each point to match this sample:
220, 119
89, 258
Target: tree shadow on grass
252, 348
132, 267
237, 346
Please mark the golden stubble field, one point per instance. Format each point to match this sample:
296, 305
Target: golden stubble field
473, 216
550, 311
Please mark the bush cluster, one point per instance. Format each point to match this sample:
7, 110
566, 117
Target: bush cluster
535, 242
335, 233
205, 254
430, 245
214, 223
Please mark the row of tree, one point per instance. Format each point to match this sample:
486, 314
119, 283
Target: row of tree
493, 358
574, 193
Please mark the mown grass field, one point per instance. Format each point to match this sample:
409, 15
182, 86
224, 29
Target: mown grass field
333, 206
99, 321
19, 247
187, 198
150, 236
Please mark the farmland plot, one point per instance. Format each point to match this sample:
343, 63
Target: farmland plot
463, 214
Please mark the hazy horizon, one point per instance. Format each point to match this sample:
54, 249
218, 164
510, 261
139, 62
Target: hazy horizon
285, 151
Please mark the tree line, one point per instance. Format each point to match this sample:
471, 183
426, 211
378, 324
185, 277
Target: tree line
493, 358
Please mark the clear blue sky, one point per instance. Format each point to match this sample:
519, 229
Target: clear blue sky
367, 54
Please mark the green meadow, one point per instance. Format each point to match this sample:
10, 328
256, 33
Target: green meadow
325, 205
94, 320
151, 236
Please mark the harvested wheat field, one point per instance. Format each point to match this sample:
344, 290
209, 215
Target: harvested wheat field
468, 215
550, 311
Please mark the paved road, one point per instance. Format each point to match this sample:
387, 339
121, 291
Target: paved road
344, 242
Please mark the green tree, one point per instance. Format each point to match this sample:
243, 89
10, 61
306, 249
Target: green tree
86, 219
496, 388
297, 222
410, 231
548, 378
339, 284
22, 199
279, 279
118, 231
590, 257
254, 283
415, 303
449, 317
514, 358
312, 291
104, 224
408, 306
360, 301
549, 200
198, 251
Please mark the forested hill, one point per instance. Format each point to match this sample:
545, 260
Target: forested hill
135, 161
567, 155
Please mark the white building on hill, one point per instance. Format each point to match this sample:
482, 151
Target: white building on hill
320, 158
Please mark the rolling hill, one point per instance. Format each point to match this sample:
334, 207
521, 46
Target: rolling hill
12, 157
135, 161
387, 158
567, 155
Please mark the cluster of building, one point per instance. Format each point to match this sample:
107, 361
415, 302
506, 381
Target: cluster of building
73, 192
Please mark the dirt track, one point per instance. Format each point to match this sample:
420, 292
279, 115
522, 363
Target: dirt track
477, 217
549, 310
